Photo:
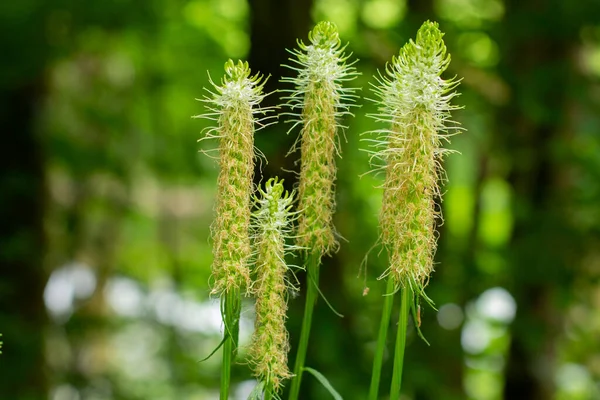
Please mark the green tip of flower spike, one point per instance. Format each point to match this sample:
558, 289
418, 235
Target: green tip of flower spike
325, 35
274, 205
429, 34
427, 54
239, 85
430, 42
236, 72
274, 188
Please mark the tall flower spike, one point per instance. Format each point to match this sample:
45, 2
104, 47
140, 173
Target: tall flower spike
234, 106
318, 102
271, 224
414, 101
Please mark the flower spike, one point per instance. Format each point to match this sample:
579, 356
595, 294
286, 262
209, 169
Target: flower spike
234, 105
318, 102
271, 225
414, 101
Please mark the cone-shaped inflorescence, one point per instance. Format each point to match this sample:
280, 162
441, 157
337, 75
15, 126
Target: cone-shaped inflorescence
234, 106
271, 224
414, 101
317, 103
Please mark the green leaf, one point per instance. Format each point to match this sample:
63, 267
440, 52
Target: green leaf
256, 393
215, 350
324, 298
324, 382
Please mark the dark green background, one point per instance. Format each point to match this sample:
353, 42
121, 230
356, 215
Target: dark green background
103, 191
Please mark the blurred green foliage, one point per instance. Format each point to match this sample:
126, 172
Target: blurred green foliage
107, 203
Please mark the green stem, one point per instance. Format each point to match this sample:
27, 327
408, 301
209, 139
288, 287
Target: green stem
312, 280
230, 309
400, 344
381, 338
268, 394
226, 369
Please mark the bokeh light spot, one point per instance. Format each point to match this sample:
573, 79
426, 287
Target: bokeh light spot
383, 14
450, 316
497, 304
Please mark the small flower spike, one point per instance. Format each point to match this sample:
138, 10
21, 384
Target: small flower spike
271, 225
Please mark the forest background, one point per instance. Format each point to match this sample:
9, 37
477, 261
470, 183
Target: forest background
106, 203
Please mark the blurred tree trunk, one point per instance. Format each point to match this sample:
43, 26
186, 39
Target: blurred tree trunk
537, 43
22, 311
274, 27
23, 319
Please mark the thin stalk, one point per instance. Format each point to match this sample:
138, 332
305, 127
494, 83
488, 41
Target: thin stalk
226, 368
268, 394
231, 308
312, 279
236, 309
400, 344
383, 329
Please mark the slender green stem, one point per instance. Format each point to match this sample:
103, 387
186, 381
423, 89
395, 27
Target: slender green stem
400, 344
226, 368
230, 309
268, 394
312, 280
381, 338
236, 309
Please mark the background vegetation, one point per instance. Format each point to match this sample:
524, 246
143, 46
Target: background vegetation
106, 203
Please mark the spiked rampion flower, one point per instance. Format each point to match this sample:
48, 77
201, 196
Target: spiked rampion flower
234, 106
317, 103
271, 225
414, 101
